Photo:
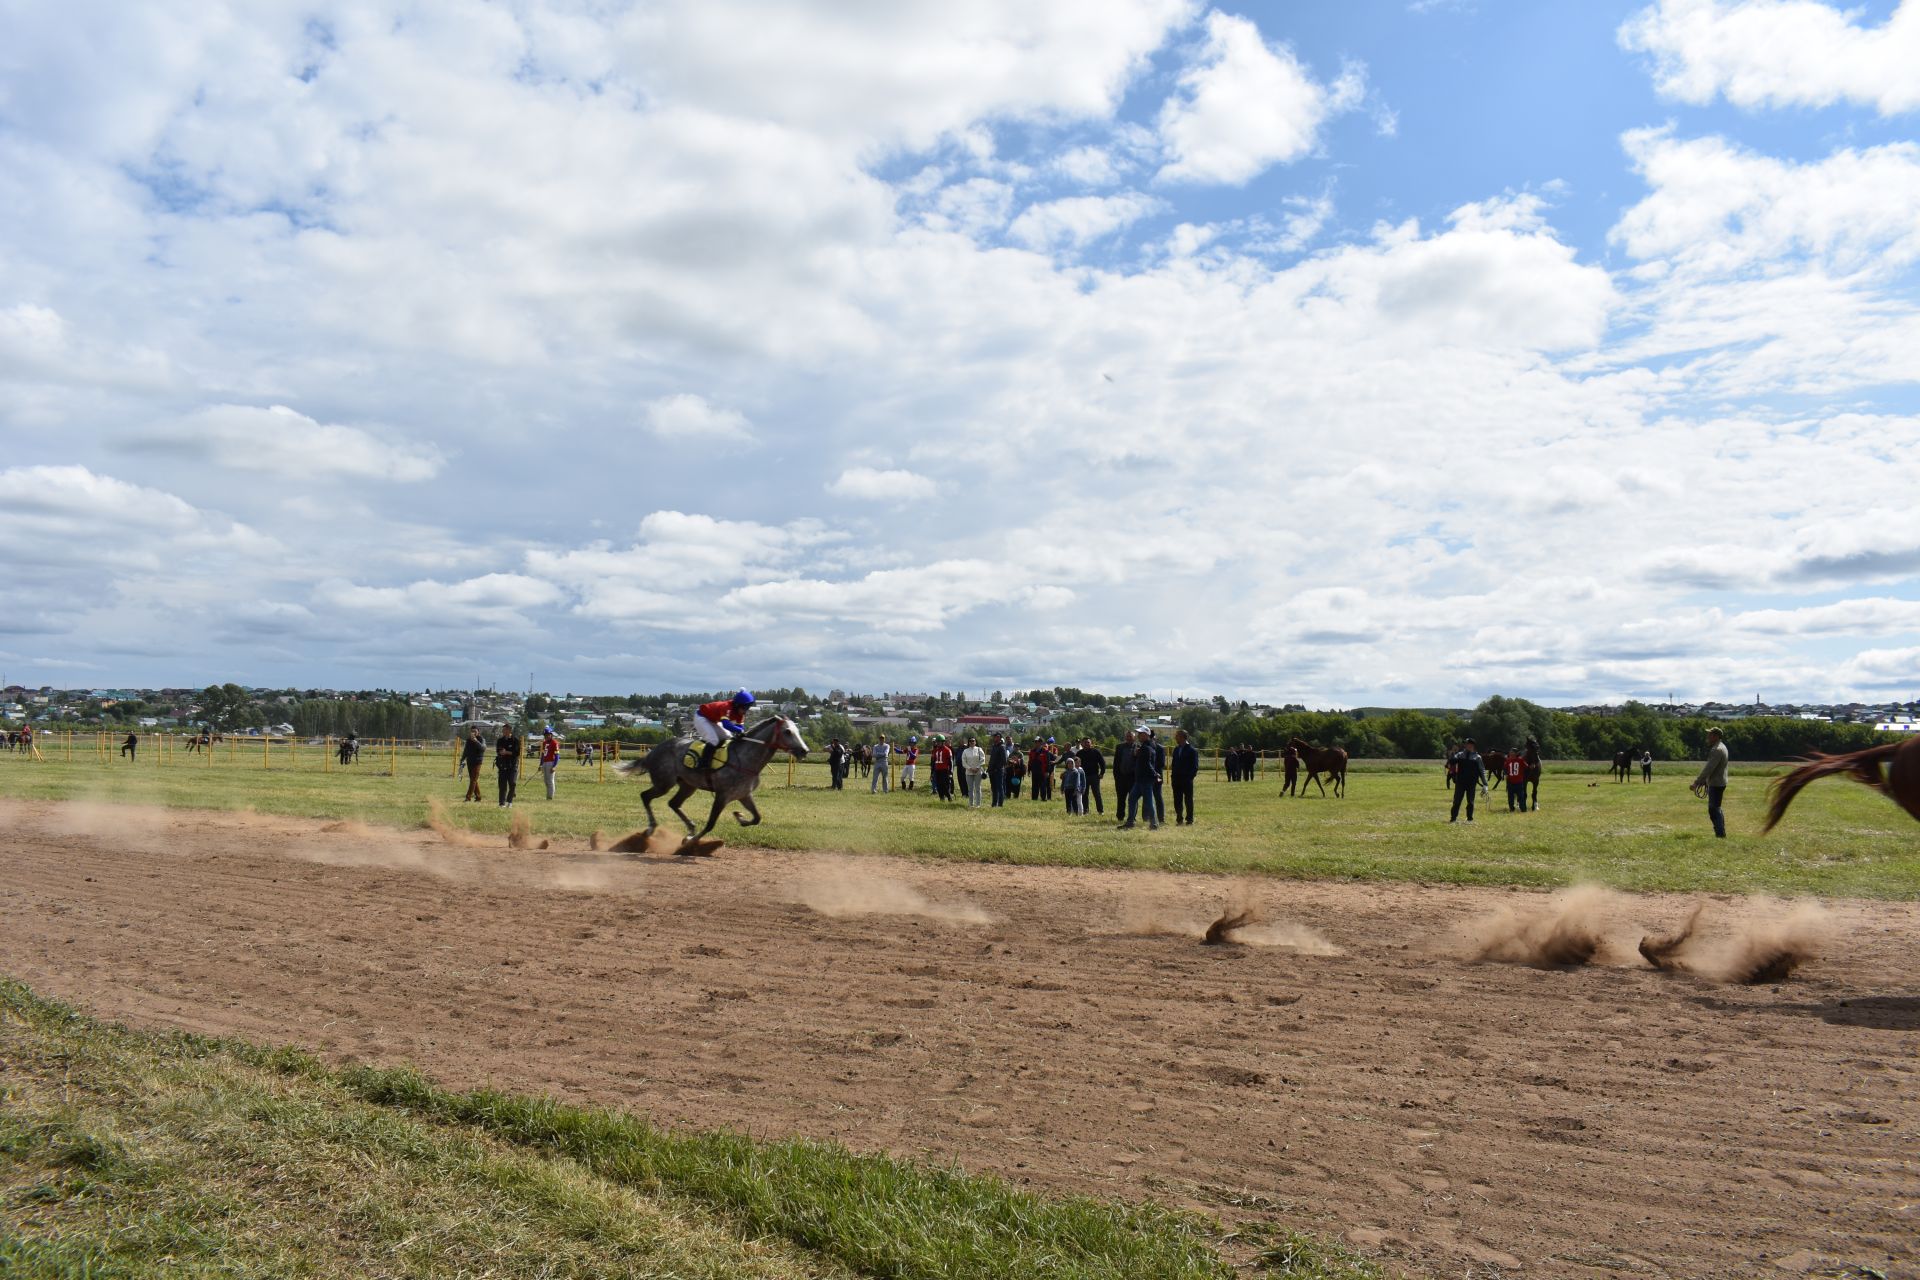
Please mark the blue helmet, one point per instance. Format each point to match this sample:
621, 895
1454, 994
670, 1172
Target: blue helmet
742, 698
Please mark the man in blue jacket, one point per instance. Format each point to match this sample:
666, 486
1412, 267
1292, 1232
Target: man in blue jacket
1186, 765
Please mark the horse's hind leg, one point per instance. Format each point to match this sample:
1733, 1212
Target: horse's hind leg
647, 798
680, 798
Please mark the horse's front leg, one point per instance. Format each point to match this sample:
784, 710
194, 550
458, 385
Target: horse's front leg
746, 802
679, 798
719, 807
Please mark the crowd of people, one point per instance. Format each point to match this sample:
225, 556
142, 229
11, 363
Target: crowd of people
1469, 772
1073, 773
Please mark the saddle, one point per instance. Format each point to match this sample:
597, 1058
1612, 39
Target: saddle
697, 748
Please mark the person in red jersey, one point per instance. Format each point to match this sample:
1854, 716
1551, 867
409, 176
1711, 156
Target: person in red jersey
717, 721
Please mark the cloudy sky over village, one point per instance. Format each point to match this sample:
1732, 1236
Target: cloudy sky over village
1336, 353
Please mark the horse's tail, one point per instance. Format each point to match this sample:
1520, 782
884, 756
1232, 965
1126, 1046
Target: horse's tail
644, 764
1862, 766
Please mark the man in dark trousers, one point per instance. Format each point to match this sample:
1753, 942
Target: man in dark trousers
506, 764
1290, 761
1515, 766
1467, 770
1123, 774
1145, 778
837, 756
997, 770
1186, 765
130, 746
1096, 766
1152, 750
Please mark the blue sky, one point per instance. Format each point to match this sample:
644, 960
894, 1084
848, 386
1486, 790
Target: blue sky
1342, 354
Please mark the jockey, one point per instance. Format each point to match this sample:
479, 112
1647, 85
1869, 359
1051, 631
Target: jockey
715, 718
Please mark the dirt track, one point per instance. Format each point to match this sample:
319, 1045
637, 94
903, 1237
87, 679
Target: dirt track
1454, 1119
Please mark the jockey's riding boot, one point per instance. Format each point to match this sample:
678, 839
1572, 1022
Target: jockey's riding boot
706, 757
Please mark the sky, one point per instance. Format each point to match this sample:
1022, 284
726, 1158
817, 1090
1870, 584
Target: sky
1335, 353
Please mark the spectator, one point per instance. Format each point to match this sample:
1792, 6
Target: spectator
131, 747
1713, 781
1466, 768
972, 759
882, 762
1073, 784
1186, 765
549, 757
1145, 778
472, 756
837, 758
506, 765
1290, 764
1515, 766
1123, 771
1040, 770
1646, 765
996, 769
1016, 770
942, 755
1095, 766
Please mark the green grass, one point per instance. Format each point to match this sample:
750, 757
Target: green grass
1839, 839
130, 1154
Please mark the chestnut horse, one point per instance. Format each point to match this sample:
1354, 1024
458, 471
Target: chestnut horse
1899, 781
1331, 761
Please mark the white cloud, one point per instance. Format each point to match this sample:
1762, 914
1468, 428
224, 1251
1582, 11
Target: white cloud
691, 417
868, 484
282, 442
1779, 53
1245, 106
1717, 207
1886, 670
1089, 166
1076, 221
493, 599
1871, 615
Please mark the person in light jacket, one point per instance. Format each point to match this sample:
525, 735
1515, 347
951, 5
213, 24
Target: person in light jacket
1712, 779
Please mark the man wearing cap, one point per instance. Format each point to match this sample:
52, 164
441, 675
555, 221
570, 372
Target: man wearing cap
549, 757
996, 770
942, 767
1712, 780
1467, 771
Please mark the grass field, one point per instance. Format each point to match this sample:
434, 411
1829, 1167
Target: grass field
124, 1154
1840, 839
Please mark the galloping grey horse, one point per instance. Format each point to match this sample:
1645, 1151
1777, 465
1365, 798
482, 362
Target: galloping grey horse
729, 782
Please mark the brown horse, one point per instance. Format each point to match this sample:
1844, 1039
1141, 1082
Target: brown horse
1331, 761
1899, 780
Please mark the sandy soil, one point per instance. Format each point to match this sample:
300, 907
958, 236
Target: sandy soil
1351, 1071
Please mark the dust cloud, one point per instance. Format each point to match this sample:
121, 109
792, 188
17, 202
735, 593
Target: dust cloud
1244, 921
442, 826
1744, 951
848, 891
520, 832
1570, 929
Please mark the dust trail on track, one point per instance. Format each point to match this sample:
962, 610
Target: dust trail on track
841, 892
1569, 929
1744, 951
1245, 920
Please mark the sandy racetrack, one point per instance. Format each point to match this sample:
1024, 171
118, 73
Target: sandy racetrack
1064, 1028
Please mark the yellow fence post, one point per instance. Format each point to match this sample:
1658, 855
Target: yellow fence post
393, 758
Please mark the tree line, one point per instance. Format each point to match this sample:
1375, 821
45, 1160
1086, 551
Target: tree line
1497, 723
